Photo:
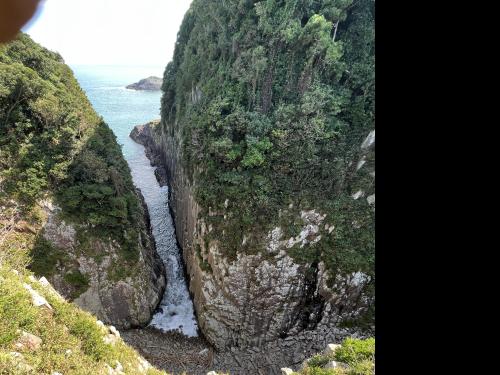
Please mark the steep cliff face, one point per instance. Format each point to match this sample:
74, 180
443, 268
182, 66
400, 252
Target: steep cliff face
267, 135
263, 297
67, 195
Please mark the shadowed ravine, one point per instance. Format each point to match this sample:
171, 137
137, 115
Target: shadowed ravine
122, 109
171, 350
162, 342
176, 310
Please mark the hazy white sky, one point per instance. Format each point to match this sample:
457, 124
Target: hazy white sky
114, 32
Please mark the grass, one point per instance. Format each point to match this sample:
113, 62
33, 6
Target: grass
73, 342
355, 351
319, 360
118, 272
358, 355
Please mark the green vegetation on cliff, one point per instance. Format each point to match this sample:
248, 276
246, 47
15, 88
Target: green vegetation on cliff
53, 144
271, 101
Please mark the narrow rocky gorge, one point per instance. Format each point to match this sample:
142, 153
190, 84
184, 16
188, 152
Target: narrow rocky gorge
261, 310
234, 234
175, 311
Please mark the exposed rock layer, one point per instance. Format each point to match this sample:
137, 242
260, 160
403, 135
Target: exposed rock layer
256, 300
122, 301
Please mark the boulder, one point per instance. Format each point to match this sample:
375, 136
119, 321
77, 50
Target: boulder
20, 362
331, 348
114, 331
371, 199
28, 342
369, 141
335, 364
36, 298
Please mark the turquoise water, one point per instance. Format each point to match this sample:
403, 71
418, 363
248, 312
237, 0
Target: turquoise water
122, 109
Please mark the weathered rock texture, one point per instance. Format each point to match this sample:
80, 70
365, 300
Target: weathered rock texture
255, 300
117, 293
148, 84
175, 353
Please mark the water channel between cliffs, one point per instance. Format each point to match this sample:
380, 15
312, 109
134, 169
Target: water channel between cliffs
176, 310
179, 349
122, 109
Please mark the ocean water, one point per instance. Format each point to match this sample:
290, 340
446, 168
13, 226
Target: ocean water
122, 109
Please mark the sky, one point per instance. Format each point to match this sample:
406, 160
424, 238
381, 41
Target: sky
109, 32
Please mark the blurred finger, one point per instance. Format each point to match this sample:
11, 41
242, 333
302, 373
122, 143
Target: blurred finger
13, 16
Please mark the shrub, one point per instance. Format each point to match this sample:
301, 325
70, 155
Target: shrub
358, 355
354, 351
78, 280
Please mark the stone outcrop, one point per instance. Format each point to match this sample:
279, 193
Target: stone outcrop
28, 342
263, 300
36, 298
116, 292
142, 135
175, 353
148, 84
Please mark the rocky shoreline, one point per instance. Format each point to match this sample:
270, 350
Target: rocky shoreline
177, 354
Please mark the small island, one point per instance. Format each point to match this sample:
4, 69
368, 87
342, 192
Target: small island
150, 84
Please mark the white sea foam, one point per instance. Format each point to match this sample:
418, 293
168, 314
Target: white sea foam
176, 311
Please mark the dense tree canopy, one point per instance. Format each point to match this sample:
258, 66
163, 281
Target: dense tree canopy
271, 101
52, 141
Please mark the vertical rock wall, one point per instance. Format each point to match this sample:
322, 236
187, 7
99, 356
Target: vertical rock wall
261, 298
